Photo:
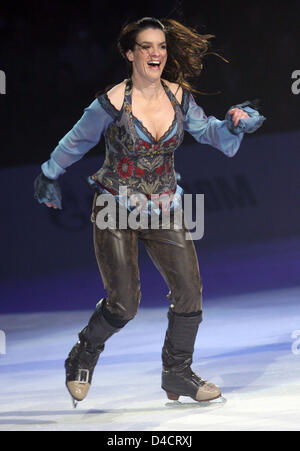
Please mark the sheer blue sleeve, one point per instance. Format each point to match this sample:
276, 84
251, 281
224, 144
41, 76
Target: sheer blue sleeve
249, 124
222, 135
85, 134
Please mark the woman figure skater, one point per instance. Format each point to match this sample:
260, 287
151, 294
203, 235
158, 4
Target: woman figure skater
143, 119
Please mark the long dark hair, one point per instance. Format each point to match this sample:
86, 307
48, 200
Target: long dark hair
186, 48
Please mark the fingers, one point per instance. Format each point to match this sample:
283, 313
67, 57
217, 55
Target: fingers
49, 204
237, 114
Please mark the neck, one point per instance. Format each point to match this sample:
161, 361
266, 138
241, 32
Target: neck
149, 90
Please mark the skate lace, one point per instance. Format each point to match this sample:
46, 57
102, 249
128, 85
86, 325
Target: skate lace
196, 378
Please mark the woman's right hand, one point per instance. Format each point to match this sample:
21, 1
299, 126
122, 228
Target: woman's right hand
47, 191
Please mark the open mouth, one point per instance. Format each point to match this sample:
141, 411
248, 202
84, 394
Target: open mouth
154, 65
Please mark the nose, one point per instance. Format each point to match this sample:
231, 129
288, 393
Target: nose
155, 51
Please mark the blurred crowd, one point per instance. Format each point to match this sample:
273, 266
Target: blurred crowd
56, 55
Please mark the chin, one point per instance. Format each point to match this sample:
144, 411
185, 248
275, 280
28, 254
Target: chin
155, 75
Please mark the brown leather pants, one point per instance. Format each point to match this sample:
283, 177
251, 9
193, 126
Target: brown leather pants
173, 255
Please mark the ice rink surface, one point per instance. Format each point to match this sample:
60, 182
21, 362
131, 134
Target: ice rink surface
247, 344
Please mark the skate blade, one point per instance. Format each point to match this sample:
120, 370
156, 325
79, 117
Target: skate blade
74, 402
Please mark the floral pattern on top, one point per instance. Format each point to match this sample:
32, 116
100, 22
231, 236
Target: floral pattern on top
143, 166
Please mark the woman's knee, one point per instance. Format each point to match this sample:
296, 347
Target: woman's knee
187, 299
125, 305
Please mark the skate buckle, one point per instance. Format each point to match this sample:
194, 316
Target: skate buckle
83, 376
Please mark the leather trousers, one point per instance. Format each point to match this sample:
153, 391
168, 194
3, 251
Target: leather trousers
173, 255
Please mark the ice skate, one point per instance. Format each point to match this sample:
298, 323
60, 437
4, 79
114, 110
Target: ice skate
178, 379
189, 384
80, 366
84, 355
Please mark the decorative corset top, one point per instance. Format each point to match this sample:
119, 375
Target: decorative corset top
142, 165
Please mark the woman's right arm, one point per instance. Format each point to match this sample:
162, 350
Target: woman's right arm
85, 134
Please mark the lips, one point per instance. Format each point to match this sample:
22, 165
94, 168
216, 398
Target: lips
155, 65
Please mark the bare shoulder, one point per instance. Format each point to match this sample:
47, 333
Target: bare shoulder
175, 88
116, 94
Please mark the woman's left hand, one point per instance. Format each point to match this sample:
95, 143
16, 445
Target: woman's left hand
237, 114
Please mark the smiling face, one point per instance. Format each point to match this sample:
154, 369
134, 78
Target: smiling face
149, 55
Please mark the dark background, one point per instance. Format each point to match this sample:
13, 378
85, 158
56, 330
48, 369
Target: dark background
56, 55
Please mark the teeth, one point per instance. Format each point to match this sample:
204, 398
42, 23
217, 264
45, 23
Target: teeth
154, 62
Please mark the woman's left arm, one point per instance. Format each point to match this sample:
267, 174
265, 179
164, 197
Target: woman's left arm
224, 135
